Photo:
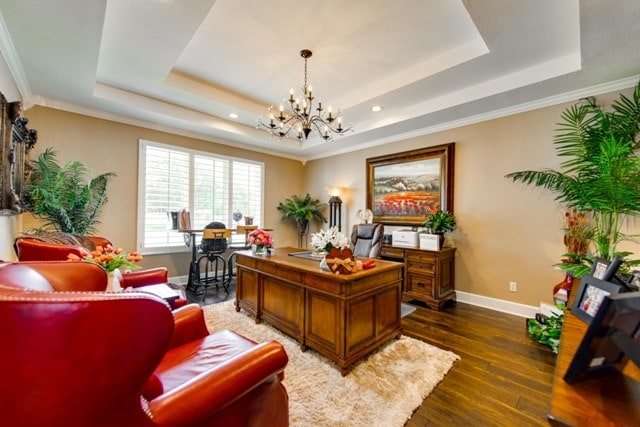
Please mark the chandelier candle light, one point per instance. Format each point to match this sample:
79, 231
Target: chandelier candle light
301, 115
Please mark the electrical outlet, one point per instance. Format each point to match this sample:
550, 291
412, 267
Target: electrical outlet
513, 286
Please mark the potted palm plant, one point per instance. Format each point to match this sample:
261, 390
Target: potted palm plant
65, 197
600, 173
302, 211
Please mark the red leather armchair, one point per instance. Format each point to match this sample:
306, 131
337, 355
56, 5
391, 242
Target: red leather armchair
73, 276
124, 359
33, 249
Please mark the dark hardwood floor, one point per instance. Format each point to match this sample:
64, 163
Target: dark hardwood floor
502, 378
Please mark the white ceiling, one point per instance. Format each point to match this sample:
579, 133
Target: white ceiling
184, 65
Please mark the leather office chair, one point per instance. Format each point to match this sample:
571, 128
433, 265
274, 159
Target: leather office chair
212, 247
366, 240
124, 359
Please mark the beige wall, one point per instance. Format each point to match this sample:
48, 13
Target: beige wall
507, 231
108, 146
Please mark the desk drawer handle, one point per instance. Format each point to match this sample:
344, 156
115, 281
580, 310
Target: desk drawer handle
421, 284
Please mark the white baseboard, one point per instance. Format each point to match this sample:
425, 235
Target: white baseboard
179, 280
514, 308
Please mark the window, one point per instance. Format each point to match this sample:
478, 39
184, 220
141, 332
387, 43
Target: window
212, 187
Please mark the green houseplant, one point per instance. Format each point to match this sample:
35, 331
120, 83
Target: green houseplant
440, 222
600, 172
65, 197
302, 211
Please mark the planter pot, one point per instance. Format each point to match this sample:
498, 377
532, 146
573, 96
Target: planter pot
431, 242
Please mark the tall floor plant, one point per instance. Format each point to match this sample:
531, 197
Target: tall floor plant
600, 171
66, 198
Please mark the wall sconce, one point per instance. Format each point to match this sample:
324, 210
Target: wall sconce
335, 211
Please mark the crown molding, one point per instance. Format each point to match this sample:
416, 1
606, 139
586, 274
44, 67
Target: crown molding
13, 62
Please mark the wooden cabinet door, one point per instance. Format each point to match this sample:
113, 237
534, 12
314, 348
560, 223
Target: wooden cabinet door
247, 290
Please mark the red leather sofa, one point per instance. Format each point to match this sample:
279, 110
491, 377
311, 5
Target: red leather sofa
124, 359
34, 249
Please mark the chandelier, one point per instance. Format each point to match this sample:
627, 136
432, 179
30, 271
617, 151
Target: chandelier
300, 116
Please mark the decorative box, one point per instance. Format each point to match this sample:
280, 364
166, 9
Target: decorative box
429, 242
405, 238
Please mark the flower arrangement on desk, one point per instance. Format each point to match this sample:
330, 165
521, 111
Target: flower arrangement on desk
323, 241
109, 258
260, 238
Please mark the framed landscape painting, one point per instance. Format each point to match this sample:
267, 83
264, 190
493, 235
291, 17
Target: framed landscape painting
403, 188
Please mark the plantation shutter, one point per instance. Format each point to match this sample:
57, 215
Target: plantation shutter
211, 190
210, 186
247, 189
166, 189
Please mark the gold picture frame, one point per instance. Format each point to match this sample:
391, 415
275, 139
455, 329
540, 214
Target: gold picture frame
403, 188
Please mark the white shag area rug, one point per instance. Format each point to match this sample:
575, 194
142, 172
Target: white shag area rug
382, 389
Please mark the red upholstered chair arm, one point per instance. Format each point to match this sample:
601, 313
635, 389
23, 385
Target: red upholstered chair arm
189, 325
151, 276
195, 402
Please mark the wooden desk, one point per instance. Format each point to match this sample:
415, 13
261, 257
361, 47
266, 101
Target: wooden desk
343, 317
611, 400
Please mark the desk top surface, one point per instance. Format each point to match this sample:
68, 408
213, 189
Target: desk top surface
282, 257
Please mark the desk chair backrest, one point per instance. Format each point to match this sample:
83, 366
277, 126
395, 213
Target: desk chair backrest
366, 240
214, 237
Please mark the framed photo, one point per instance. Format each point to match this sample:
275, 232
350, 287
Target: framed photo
590, 297
599, 268
402, 188
611, 339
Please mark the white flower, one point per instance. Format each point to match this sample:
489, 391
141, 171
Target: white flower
331, 238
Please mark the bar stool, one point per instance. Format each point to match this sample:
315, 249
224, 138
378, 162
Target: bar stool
212, 248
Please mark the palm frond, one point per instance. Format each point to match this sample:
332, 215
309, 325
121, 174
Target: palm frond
600, 170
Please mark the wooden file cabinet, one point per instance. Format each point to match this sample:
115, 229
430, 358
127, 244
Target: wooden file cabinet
429, 276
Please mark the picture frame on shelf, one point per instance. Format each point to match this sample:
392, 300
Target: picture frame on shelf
610, 340
599, 268
605, 270
590, 297
403, 187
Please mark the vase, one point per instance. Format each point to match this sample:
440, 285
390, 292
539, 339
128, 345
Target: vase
562, 290
259, 249
113, 281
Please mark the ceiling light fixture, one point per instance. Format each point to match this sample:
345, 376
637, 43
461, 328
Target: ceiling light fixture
376, 108
301, 116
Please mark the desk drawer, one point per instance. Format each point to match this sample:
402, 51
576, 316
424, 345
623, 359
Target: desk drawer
286, 274
392, 252
419, 285
421, 267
